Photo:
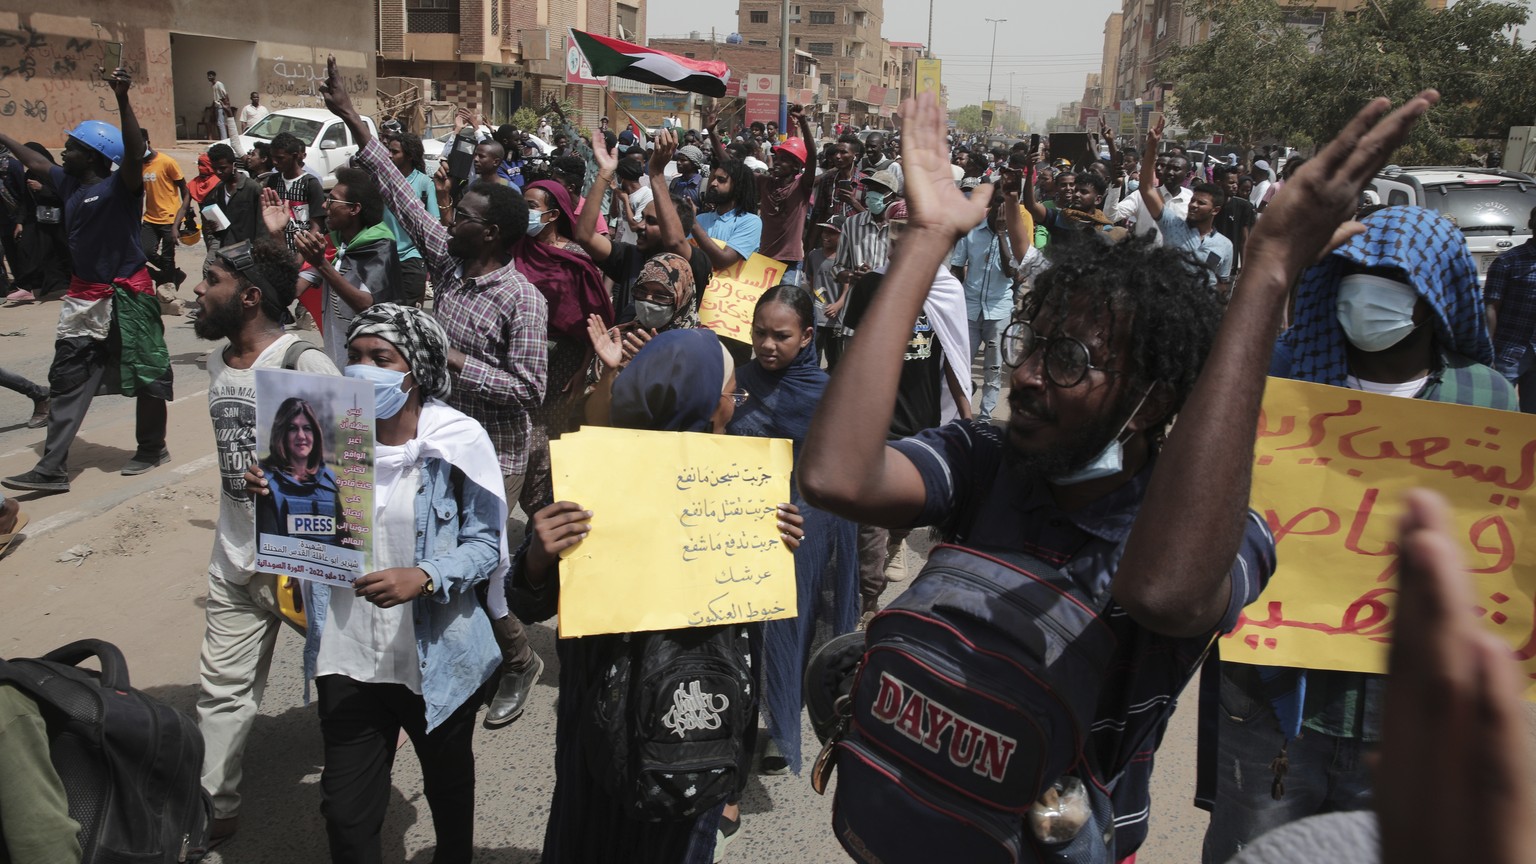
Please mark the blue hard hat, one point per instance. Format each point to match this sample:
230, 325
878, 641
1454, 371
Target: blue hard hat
104, 138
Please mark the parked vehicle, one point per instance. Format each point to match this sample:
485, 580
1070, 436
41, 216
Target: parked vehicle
1491, 206
434, 148
329, 144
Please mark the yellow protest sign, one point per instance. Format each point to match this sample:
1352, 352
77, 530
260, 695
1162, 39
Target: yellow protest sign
1330, 468
684, 530
732, 295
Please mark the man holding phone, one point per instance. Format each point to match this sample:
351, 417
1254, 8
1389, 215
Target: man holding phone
836, 192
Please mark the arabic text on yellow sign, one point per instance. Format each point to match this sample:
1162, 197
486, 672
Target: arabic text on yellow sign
732, 296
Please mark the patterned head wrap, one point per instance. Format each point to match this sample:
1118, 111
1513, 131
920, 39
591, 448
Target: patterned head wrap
1426, 246
674, 272
417, 336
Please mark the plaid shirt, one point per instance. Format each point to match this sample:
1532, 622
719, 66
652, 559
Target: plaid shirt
497, 320
1512, 285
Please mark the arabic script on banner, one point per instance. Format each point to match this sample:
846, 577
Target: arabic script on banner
1330, 469
732, 295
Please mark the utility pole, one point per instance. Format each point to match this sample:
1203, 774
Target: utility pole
928, 46
784, 70
992, 62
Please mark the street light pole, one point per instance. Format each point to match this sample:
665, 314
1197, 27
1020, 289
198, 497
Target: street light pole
992, 62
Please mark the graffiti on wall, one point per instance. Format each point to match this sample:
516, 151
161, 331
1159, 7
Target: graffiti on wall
51, 82
289, 83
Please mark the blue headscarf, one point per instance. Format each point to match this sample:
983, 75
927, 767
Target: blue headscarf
673, 384
1426, 246
780, 405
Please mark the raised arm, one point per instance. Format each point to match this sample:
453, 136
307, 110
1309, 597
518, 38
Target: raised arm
720, 257
1148, 190
672, 237
132, 168
846, 466
1174, 575
598, 246
1027, 192
808, 175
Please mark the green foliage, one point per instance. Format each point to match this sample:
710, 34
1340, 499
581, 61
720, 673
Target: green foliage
1287, 90
967, 119
526, 119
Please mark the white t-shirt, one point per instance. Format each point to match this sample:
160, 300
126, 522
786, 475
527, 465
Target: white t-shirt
1405, 390
250, 114
1145, 225
232, 405
365, 642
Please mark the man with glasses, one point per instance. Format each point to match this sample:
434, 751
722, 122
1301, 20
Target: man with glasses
367, 266
1111, 344
496, 322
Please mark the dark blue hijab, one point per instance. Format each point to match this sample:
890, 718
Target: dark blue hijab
780, 404
673, 384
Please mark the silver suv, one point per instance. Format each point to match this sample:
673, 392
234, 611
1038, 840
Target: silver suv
1491, 206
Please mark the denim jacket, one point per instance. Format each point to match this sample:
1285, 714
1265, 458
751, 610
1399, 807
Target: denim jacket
458, 545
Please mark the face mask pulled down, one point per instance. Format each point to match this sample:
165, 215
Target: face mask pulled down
1110, 460
389, 396
1376, 313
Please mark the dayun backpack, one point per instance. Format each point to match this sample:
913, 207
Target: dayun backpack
973, 698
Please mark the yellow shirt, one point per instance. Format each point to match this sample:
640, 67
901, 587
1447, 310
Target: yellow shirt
161, 197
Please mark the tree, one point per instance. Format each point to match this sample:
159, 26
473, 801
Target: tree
968, 119
1258, 79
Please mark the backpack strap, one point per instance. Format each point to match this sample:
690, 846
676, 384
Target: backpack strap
292, 354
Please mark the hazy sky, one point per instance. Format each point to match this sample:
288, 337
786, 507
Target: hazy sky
1049, 50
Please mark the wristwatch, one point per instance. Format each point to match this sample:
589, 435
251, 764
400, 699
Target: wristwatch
428, 588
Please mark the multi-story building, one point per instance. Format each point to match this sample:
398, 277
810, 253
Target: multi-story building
50, 54
911, 52
1109, 69
844, 37
491, 56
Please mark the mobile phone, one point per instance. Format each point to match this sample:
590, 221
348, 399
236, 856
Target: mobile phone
112, 60
1034, 143
845, 184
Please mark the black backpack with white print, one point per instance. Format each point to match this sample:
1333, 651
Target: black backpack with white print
667, 721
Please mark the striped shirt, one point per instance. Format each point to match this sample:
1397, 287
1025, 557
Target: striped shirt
865, 244
498, 320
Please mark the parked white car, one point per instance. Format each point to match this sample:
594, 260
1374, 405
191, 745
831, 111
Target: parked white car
328, 142
434, 148
1491, 206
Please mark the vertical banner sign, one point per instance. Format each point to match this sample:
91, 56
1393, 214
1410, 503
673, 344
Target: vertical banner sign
930, 77
1128, 118
314, 444
762, 98
577, 69
1330, 468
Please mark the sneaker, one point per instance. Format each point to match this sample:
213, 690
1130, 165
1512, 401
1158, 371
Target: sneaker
20, 295
40, 409
724, 834
773, 762
35, 481
141, 463
896, 563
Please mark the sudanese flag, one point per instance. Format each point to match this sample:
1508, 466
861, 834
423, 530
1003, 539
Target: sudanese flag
621, 59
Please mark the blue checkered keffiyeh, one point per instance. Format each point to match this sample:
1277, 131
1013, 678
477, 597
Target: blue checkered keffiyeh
1426, 246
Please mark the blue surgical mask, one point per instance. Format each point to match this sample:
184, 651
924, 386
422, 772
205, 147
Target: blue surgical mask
1375, 312
1109, 462
874, 202
535, 222
388, 395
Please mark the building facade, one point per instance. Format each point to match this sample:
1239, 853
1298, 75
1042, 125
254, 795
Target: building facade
844, 36
494, 56
49, 60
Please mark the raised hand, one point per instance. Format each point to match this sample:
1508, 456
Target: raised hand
334, 91
666, 149
606, 342
274, 213
1312, 210
607, 159
934, 201
120, 82
311, 245
634, 340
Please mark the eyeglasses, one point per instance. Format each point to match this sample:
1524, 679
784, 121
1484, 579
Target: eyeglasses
659, 297
460, 216
1067, 360
330, 200
739, 397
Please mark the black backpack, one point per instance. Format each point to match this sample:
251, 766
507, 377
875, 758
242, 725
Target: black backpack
975, 695
668, 719
131, 765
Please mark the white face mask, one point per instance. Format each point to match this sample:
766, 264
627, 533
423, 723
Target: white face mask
1110, 461
1376, 313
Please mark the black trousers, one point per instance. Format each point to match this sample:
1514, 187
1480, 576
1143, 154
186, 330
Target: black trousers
74, 378
159, 242
361, 724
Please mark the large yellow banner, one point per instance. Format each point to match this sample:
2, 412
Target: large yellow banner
1330, 468
732, 294
684, 530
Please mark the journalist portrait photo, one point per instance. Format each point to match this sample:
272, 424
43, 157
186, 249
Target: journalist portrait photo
304, 503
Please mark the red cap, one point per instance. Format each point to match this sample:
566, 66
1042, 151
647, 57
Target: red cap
794, 147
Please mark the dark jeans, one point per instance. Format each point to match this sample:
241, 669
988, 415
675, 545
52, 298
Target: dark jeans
68, 410
1324, 774
876, 546
159, 243
11, 381
829, 346
413, 282
361, 724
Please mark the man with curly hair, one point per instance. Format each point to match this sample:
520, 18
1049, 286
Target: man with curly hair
1112, 344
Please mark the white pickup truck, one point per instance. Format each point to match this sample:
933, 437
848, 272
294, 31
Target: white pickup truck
328, 141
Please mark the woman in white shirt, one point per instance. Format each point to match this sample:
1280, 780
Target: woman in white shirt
409, 647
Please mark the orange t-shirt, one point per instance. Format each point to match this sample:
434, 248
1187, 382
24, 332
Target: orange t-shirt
161, 197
